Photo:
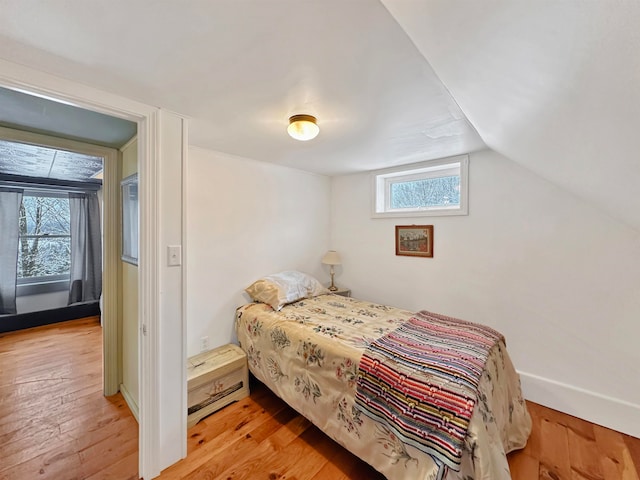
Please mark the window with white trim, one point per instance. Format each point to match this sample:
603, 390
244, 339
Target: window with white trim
44, 245
437, 187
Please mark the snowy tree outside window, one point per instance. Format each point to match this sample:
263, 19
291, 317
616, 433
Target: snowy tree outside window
44, 248
431, 192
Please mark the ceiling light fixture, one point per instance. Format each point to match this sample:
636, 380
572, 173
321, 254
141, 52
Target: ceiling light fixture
303, 127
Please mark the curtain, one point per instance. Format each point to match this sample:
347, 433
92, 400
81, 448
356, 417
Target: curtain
10, 200
85, 282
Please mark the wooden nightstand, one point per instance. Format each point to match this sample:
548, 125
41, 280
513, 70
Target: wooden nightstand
215, 379
345, 292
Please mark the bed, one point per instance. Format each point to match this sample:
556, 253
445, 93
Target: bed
321, 354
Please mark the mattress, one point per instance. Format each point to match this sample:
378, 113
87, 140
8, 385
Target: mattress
309, 352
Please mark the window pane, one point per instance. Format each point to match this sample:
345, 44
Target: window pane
45, 243
44, 215
43, 256
428, 192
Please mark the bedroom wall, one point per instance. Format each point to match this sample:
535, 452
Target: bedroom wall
129, 302
246, 219
556, 276
41, 301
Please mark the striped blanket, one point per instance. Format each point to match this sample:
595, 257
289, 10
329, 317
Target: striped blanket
421, 381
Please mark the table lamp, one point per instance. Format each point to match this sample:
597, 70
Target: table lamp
331, 258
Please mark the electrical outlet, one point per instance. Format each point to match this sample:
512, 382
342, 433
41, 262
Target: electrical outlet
204, 344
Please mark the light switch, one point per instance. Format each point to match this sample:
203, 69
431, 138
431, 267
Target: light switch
174, 253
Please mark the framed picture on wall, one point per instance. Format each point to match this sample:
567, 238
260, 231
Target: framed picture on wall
414, 240
129, 187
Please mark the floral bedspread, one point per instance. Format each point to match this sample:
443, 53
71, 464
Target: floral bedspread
308, 354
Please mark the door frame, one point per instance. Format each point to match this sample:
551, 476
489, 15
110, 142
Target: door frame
162, 426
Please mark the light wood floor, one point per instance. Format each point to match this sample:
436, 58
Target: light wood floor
55, 424
262, 438
54, 421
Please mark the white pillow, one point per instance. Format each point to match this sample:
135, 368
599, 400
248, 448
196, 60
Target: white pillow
285, 287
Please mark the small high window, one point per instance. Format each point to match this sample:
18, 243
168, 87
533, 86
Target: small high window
437, 187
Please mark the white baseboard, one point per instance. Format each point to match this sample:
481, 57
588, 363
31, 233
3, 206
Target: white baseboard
609, 412
133, 406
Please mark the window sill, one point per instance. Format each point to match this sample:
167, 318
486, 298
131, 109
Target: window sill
434, 212
41, 287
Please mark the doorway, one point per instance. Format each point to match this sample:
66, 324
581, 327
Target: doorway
162, 150
53, 159
67, 371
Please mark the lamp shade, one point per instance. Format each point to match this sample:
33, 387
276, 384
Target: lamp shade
331, 258
303, 127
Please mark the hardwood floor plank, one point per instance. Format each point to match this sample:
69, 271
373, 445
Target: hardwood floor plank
615, 458
227, 427
26, 449
554, 451
62, 461
121, 430
281, 439
583, 453
249, 467
48, 393
215, 467
343, 465
62, 411
54, 421
299, 462
523, 466
339, 459
104, 453
633, 446
268, 457
100, 414
123, 469
534, 442
268, 428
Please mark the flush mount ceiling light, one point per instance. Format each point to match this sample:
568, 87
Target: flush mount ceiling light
303, 127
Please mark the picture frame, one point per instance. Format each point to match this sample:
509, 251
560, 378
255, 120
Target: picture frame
129, 189
414, 240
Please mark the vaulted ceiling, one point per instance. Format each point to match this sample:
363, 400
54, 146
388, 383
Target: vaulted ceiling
551, 85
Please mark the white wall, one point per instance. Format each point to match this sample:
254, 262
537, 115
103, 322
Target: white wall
557, 277
42, 301
246, 219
